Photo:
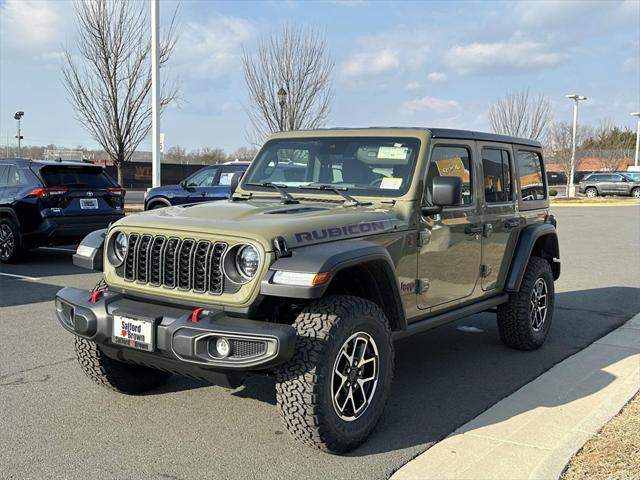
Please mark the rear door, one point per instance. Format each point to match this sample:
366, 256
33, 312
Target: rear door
501, 221
450, 251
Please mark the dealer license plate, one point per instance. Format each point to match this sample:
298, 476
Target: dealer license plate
133, 332
88, 203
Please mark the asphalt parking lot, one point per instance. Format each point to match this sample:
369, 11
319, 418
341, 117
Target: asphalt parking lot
55, 423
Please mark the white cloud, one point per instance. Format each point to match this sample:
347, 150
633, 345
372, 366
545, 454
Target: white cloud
32, 23
509, 56
386, 53
437, 76
49, 57
438, 105
212, 48
371, 63
412, 85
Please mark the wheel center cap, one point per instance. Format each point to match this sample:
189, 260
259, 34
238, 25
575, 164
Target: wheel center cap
353, 374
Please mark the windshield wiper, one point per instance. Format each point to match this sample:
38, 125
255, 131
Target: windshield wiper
285, 198
349, 201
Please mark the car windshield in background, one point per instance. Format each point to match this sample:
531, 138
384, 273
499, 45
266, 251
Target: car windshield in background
75, 177
370, 166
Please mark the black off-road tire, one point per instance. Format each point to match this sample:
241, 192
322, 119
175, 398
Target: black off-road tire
11, 251
304, 384
112, 374
514, 317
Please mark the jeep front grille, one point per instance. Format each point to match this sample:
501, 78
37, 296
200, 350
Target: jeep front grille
172, 262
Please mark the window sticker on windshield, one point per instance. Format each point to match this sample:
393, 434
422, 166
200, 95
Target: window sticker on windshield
393, 153
391, 183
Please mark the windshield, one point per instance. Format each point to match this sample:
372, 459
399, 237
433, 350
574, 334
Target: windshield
370, 166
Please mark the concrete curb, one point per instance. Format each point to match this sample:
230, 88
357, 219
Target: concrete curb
534, 432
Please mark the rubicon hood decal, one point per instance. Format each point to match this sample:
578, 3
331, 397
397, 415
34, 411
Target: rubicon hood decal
351, 230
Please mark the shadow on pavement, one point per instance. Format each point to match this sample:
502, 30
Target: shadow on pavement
15, 291
44, 262
446, 377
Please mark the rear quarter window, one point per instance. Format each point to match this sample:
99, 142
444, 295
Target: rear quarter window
532, 182
75, 177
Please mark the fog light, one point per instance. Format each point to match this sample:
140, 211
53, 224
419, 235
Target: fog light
223, 347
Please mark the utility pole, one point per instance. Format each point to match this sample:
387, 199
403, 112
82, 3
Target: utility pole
637, 114
155, 95
18, 115
571, 188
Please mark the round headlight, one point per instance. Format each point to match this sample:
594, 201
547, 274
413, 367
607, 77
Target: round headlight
247, 261
120, 246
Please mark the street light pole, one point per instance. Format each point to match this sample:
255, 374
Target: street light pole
155, 95
18, 116
637, 114
282, 99
571, 188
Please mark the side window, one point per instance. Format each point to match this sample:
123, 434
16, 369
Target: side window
497, 175
226, 175
531, 180
203, 178
4, 171
13, 177
616, 178
451, 162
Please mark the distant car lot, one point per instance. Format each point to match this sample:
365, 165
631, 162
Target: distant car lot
462, 372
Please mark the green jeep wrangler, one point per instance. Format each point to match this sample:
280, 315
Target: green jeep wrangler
334, 244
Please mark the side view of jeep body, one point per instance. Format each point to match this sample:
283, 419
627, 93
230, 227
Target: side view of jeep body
334, 243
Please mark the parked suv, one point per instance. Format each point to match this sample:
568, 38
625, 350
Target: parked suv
609, 184
334, 244
53, 203
205, 185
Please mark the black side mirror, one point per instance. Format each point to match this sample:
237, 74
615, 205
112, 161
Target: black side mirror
235, 181
445, 192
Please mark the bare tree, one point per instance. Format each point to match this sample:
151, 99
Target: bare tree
612, 145
559, 143
521, 115
297, 61
109, 84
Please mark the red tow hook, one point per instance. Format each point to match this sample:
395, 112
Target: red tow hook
95, 296
196, 314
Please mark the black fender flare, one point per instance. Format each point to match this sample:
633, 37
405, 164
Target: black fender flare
90, 252
332, 258
8, 212
527, 240
159, 199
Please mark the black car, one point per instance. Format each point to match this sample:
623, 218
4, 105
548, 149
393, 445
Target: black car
207, 184
53, 203
611, 183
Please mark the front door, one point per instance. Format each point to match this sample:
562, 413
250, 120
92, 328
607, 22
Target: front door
500, 216
450, 242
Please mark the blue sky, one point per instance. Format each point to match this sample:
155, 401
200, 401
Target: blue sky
424, 63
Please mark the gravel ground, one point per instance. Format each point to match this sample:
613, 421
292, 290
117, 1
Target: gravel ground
614, 452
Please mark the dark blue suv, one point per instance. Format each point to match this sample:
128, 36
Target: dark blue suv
53, 203
205, 185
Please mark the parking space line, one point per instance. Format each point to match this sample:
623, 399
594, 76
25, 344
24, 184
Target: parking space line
23, 277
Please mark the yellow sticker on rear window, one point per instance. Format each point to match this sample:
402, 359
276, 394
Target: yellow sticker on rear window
393, 153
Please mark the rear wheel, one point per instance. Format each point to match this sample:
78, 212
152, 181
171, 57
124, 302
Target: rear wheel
635, 193
112, 374
9, 241
331, 394
524, 321
591, 192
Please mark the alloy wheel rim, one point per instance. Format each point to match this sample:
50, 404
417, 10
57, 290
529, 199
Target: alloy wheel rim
7, 242
591, 193
539, 304
355, 376
636, 193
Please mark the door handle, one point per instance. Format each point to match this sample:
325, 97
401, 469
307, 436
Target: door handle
473, 229
511, 223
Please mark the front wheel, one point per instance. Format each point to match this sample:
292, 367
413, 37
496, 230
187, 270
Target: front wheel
591, 192
524, 321
332, 393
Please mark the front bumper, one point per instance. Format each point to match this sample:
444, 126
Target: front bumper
181, 345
